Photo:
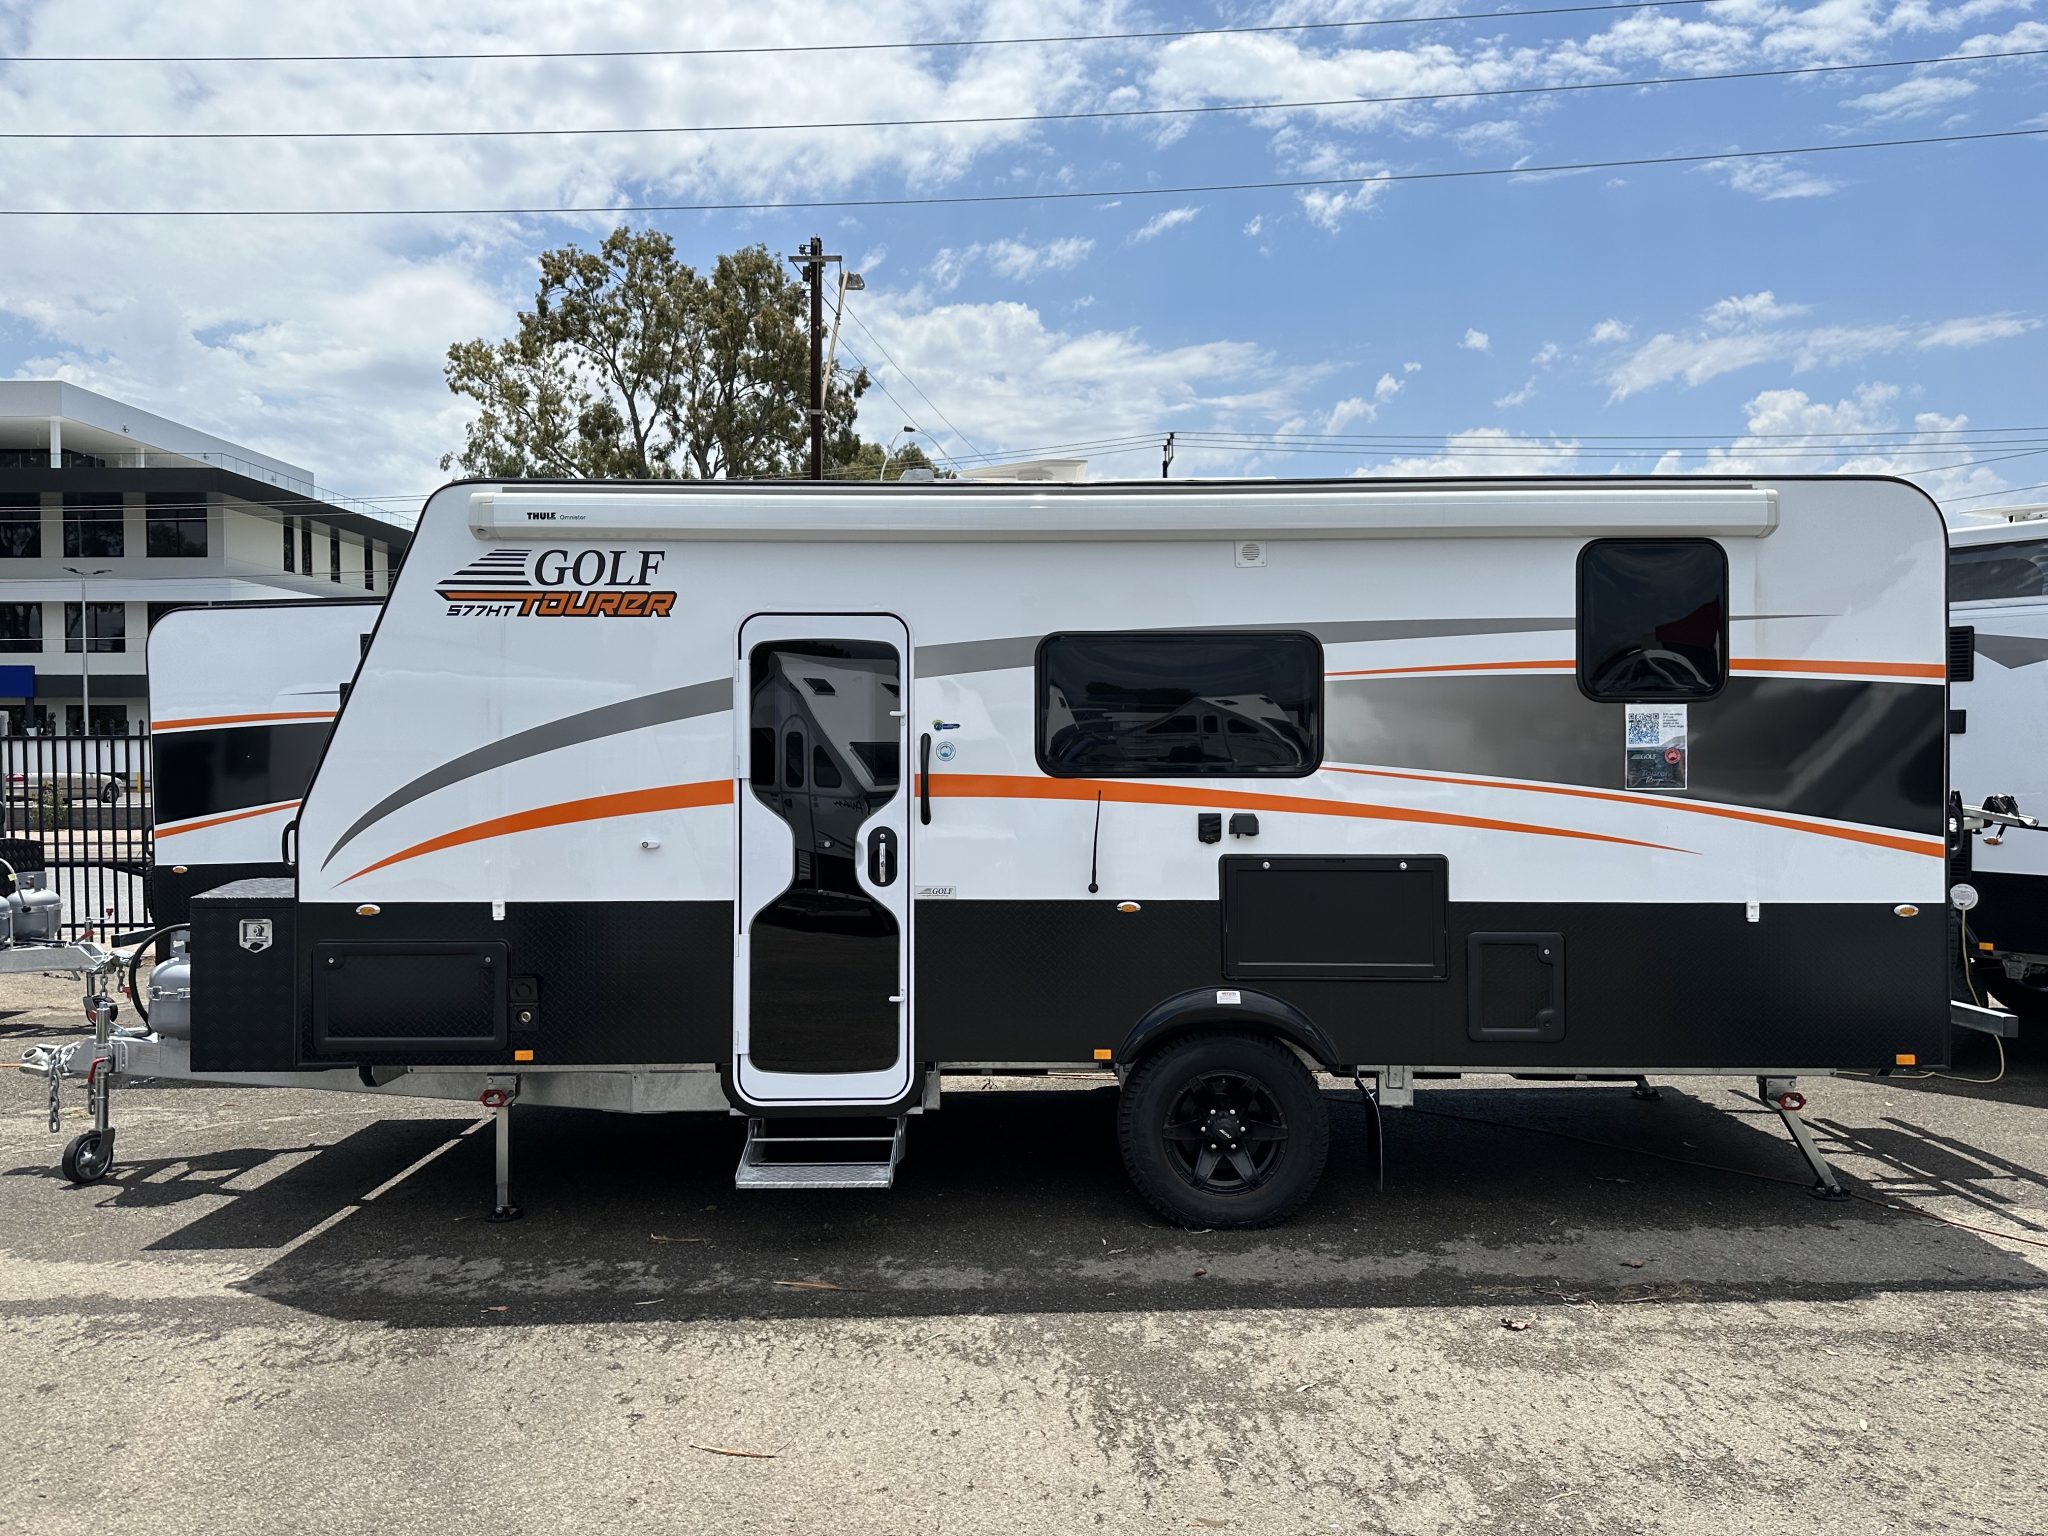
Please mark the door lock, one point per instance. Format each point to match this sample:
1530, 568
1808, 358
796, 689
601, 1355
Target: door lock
882, 856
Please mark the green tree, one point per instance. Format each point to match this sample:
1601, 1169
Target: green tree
865, 463
633, 365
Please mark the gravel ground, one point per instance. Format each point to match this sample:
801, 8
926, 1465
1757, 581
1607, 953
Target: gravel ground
284, 1313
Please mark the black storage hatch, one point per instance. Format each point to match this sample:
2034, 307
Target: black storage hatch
1515, 987
1335, 919
408, 997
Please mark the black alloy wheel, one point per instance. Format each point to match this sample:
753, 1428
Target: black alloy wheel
1223, 1130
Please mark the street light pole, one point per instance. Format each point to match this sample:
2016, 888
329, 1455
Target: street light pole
85, 648
890, 452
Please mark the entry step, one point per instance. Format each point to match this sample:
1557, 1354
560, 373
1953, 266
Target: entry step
811, 1154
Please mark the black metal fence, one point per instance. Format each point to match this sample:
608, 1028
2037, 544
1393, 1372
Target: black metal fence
86, 799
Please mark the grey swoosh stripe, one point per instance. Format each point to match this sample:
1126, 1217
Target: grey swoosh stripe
946, 660
592, 724
2012, 650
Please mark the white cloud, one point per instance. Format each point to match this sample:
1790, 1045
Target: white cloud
1173, 218
1411, 367
1780, 423
1257, 222
1017, 260
1549, 353
1476, 341
1749, 309
322, 341
1694, 357
1773, 180
1913, 97
1608, 333
1521, 396
1346, 411
1485, 451
1009, 377
1387, 387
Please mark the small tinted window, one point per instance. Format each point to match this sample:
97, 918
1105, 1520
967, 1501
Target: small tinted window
1176, 704
1653, 618
1979, 572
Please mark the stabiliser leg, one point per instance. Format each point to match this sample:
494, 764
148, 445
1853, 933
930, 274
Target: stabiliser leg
499, 1102
1780, 1095
1645, 1091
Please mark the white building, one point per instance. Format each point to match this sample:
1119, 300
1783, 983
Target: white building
110, 515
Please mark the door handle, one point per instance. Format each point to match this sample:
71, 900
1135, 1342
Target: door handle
882, 856
924, 779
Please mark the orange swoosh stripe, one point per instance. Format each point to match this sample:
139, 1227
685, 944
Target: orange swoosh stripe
221, 821
199, 720
1900, 842
1929, 669
631, 802
1128, 792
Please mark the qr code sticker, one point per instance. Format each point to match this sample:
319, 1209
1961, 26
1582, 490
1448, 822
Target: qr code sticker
1644, 730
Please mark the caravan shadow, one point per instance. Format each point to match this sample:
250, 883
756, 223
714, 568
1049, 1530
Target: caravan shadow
1014, 1201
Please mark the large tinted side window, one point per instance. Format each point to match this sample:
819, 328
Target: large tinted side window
1180, 703
1980, 572
1653, 618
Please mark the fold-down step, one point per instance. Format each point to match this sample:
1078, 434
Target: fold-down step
812, 1154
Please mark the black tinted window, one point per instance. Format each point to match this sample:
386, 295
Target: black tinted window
1653, 618
1978, 572
21, 525
1174, 704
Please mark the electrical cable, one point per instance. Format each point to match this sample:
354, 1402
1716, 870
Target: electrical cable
900, 369
1306, 183
989, 119
1157, 35
2011, 490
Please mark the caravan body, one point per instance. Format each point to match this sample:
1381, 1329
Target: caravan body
825, 789
241, 697
1998, 595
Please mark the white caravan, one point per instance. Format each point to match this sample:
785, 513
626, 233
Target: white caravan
1998, 603
783, 800
241, 699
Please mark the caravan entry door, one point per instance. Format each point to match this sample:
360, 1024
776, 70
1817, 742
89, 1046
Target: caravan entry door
821, 989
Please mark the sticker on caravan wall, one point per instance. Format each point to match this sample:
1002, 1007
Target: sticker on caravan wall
1654, 746
559, 584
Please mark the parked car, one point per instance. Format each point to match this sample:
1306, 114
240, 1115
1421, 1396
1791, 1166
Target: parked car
103, 787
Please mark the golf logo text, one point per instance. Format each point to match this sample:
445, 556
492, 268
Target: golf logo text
560, 584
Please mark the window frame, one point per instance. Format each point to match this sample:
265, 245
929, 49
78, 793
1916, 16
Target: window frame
29, 644
1579, 621
174, 509
71, 532
11, 508
1319, 725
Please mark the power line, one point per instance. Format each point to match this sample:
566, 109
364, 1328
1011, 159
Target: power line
862, 363
1159, 35
1635, 437
270, 134
1303, 184
2010, 490
904, 373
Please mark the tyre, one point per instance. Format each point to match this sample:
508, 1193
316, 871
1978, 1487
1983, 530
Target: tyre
1223, 1130
110, 791
2026, 1000
87, 1158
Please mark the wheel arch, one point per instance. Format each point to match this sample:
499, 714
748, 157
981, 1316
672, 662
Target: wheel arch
1198, 1009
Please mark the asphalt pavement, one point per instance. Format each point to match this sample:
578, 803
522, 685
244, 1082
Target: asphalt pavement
285, 1311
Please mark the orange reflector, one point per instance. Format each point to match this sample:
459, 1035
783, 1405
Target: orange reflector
1102, 1055
1982, 945
1905, 1059
368, 909
522, 1055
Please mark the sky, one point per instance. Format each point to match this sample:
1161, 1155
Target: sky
1872, 310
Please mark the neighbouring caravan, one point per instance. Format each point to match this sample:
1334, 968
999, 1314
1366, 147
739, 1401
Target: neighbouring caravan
1998, 603
241, 698
783, 800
